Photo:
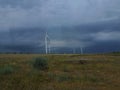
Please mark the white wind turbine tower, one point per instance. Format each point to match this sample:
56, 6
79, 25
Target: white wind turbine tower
81, 49
49, 47
74, 51
47, 44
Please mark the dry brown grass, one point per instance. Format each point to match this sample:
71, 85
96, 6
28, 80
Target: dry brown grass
66, 72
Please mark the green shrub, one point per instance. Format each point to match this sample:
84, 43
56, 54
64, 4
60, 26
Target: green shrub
6, 70
40, 63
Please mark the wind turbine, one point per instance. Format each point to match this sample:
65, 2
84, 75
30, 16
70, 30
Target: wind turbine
49, 47
12, 37
47, 44
81, 49
74, 51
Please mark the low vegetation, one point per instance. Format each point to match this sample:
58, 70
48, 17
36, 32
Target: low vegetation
6, 70
59, 72
40, 63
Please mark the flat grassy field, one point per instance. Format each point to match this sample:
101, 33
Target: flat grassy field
65, 72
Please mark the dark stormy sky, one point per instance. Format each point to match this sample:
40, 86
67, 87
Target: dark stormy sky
89, 24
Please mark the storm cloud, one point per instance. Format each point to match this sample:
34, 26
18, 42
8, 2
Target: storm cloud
70, 23
17, 13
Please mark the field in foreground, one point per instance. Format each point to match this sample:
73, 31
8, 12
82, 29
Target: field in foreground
66, 72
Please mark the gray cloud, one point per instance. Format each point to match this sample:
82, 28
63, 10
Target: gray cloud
56, 13
26, 4
74, 23
106, 36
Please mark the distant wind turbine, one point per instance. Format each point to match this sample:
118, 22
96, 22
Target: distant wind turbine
47, 44
12, 37
81, 49
74, 51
